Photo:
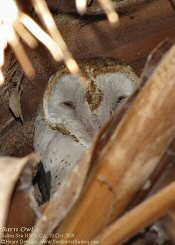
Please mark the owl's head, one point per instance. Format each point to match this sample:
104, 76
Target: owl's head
80, 111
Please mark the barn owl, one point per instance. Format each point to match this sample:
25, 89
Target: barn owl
72, 114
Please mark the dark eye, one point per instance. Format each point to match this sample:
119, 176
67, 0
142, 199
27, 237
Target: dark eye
69, 104
121, 98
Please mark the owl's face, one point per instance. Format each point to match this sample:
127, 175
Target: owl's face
73, 114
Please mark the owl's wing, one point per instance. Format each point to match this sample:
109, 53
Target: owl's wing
60, 153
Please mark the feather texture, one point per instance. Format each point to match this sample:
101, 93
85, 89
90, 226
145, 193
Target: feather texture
71, 115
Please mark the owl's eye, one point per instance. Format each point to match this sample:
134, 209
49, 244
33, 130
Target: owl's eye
68, 104
121, 98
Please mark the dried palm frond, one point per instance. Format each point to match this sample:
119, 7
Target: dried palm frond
16, 24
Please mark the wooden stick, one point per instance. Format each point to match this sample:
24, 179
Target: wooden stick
44, 13
109, 9
42, 36
22, 56
25, 34
138, 218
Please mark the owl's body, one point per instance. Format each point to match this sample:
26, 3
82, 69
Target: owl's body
72, 114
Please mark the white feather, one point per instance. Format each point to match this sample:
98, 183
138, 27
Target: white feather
67, 106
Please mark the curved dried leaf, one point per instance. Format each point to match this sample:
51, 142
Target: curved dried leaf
14, 102
11, 169
23, 204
